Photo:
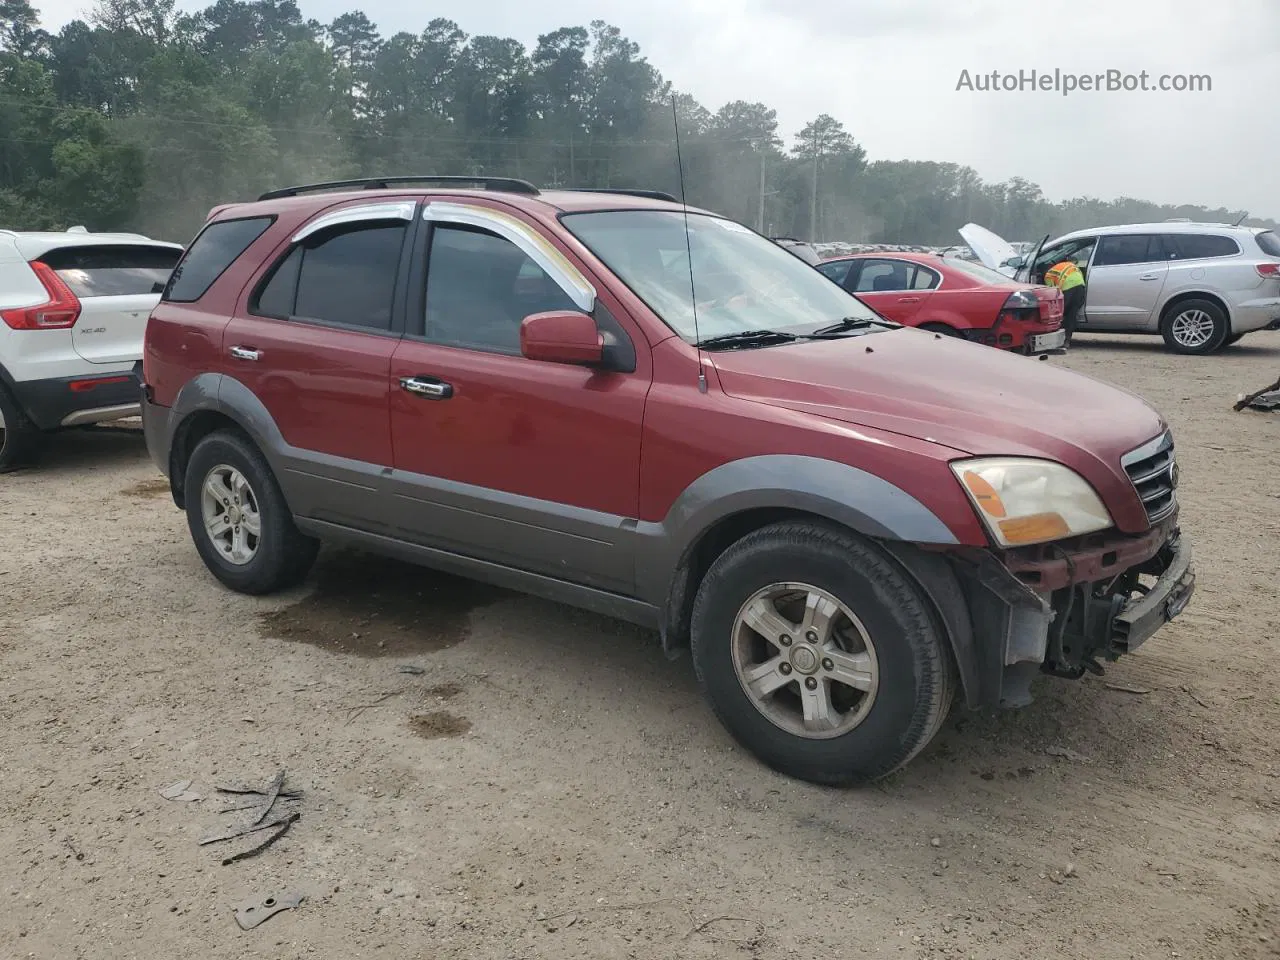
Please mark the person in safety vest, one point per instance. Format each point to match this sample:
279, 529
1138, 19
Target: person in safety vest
1068, 278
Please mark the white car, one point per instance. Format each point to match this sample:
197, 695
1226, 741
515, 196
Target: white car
1201, 286
73, 309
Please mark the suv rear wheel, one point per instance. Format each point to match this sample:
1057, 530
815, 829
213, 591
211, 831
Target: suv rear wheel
1195, 327
18, 435
819, 654
239, 520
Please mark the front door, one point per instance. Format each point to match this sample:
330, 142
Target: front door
313, 342
1124, 281
895, 289
530, 464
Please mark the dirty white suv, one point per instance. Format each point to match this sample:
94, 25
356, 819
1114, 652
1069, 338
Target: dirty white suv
1201, 286
73, 309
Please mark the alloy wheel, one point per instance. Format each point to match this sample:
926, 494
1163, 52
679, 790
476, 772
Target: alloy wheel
1192, 328
229, 508
805, 660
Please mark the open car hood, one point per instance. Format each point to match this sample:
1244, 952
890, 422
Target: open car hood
995, 252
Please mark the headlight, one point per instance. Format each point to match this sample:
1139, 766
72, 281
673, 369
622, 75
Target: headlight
1030, 501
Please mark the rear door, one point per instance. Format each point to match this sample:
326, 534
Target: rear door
1124, 281
118, 285
313, 339
893, 288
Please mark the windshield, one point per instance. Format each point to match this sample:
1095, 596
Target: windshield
976, 270
743, 281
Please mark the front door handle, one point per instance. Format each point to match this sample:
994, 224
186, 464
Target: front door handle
1149, 276
428, 387
908, 299
246, 353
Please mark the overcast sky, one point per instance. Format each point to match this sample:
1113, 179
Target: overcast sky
888, 69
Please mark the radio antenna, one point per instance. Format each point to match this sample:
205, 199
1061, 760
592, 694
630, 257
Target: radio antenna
1243, 217
688, 247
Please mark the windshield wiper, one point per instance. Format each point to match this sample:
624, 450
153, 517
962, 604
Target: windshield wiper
853, 323
748, 338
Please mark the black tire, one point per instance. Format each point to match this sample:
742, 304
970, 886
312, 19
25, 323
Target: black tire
1221, 327
943, 329
916, 679
1233, 339
19, 437
283, 555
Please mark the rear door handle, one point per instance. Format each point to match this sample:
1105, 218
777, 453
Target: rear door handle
908, 299
246, 353
1149, 276
427, 387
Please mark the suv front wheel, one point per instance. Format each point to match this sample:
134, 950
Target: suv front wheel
820, 655
239, 520
1195, 327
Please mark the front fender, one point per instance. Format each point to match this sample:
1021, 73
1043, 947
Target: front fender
846, 495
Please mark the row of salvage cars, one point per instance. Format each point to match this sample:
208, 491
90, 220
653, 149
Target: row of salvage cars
1200, 286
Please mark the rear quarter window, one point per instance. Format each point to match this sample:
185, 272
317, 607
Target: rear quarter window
1198, 246
1268, 243
216, 248
113, 271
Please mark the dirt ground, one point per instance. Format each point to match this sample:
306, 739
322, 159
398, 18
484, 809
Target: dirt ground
489, 776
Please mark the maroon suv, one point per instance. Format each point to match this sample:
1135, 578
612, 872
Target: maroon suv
848, 521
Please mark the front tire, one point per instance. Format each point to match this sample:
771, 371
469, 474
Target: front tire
820, 655
239, 520
19, 437
1195, 327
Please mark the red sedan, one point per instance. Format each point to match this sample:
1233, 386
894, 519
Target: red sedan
954, 297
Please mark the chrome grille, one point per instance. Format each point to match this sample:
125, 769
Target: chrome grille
1154, 472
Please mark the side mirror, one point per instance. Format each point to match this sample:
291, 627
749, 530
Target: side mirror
561, 337
1016, 262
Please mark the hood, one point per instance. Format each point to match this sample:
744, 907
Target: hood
966, 396
994, 252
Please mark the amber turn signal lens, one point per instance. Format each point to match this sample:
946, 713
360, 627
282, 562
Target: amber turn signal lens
985, 495
1035, 528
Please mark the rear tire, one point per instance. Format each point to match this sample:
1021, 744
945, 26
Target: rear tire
790, 612
19, 437
229, 492
1195, 327
943, 329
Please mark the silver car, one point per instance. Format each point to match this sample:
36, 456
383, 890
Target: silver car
1201, 286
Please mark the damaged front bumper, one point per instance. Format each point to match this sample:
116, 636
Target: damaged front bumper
1063, 609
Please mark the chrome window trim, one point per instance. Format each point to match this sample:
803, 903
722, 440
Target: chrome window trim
400, 210
536, 247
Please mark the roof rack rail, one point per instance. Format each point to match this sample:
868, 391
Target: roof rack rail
646, 194
503, 184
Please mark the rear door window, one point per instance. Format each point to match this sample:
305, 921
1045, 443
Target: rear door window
215, 249
1198, 246
1268, 243
344, 276
113, 271
1123, 248
885, 275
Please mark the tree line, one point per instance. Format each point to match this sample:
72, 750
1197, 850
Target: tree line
140, 117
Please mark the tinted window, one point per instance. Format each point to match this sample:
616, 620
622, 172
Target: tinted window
103, 271
215, 249
349, 276
1269, 243
480, 287
837, 270
1127, 248
1192, 246
884, 275
277, 297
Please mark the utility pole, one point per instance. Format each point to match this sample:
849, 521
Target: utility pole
760, 213
813, 199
